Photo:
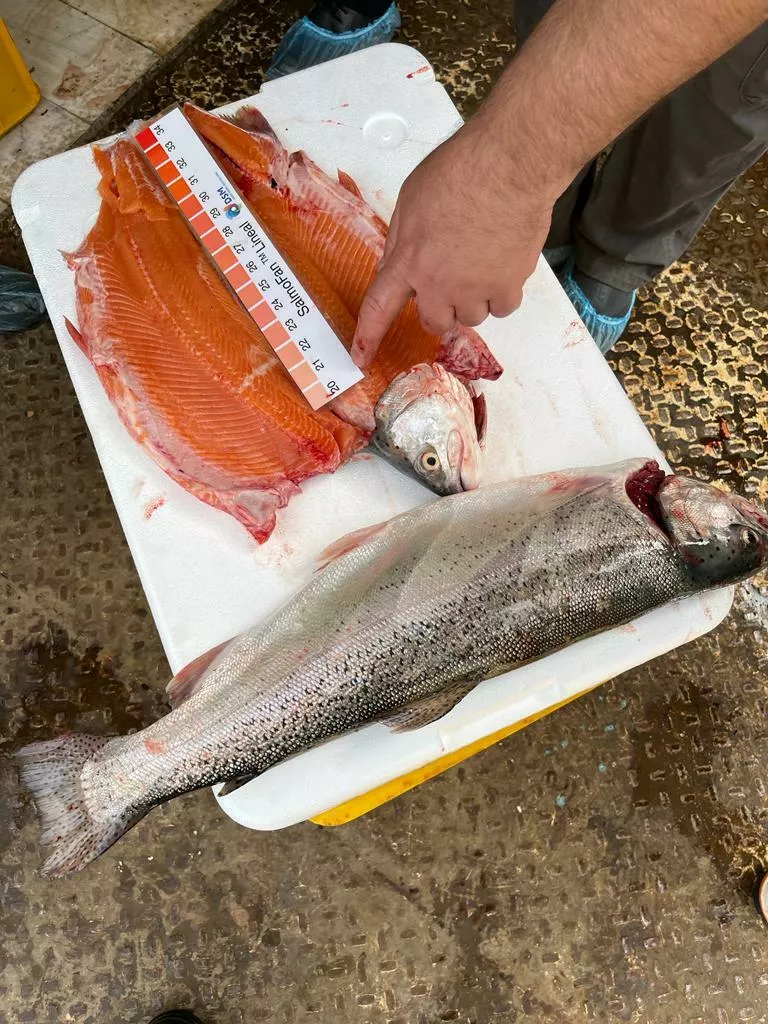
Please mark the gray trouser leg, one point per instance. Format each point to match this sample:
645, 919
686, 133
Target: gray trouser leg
662, 177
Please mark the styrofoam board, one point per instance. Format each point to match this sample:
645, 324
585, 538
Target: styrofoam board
374, 114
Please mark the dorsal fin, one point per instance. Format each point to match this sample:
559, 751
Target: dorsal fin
347, 543
252, 120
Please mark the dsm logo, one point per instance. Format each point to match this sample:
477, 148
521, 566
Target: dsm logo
231, 210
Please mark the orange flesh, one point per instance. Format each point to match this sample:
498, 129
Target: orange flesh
191, 374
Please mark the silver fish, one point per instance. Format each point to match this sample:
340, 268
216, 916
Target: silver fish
403, 621
431, 424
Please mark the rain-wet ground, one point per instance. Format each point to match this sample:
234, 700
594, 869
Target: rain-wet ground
595, 867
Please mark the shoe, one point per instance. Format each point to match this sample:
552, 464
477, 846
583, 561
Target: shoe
606, 330
176, 1017
330, 30
21, 304
558, 256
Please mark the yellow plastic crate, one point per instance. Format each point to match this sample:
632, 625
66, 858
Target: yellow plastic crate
18, 93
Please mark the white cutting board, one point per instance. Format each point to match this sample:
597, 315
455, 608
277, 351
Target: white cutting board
374, 114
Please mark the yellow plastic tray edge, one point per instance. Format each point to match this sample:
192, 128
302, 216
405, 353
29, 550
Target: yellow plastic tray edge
360, 805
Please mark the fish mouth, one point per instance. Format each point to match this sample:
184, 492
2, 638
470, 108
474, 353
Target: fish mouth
643, 487
463, 464
752, 513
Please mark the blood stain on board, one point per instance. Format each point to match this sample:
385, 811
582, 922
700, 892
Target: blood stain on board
152, 506
574, 334
418, 71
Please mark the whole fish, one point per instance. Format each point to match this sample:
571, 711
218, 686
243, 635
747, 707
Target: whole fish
403, 621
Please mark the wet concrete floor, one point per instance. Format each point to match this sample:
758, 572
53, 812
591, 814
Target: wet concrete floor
595, 867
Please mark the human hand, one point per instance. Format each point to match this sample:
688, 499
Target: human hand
465, 235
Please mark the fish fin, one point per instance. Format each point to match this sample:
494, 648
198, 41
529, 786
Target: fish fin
191, 678
234, 784
429, 709
348, 182
347, 543
256, 510
51, 771
252, 120
78, 339
356, 407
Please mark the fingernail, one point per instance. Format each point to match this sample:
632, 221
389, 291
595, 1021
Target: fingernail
358, 353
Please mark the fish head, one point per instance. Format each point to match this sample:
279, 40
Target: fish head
723, 538
431, 424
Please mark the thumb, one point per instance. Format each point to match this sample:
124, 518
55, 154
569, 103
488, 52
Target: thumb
387, 295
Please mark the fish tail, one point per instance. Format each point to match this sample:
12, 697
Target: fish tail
51, 771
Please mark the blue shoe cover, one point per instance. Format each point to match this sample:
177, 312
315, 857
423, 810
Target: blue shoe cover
306, 44
606, 330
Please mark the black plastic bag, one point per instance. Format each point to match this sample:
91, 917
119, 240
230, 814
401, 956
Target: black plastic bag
21, 304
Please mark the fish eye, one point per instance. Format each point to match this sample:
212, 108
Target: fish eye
429, 461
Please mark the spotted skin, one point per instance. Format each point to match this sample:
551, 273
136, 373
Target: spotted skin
454, 592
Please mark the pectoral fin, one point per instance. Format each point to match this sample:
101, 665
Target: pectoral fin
349, 183
429, 709
234, 784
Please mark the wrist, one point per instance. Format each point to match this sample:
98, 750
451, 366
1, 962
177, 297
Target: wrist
527, 140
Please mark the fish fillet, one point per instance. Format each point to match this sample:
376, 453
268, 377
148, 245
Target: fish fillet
190, 374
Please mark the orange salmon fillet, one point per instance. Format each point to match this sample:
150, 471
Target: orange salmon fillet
189, 373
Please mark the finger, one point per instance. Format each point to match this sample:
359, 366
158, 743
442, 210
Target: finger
385, 298
506, 304
472, 314
391, 239
436, 317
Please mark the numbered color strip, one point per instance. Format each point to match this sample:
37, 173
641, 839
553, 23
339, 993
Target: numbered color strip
261, 278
